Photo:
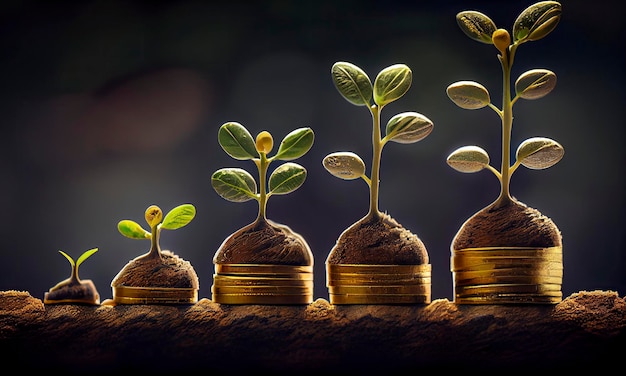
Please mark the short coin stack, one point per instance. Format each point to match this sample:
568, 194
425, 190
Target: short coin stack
378, 284
154, 295
262, 284
503, 275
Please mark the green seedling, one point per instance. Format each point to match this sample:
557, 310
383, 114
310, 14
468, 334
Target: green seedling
238, 185
176, 218
532, 24
73, 289
404, 128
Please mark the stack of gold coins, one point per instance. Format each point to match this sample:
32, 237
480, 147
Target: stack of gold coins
154, 295
378, 284
262, 284
504, 275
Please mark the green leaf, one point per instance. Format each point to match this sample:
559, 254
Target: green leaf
68, 257
344, 165
234, 184
408, 127
535, 83
392, 83
85, 256
476, 25
236, 141
538, 153
468, 95
536, 21
295, 144
352, 82
468, 159
178, 217
132, 229
286, 178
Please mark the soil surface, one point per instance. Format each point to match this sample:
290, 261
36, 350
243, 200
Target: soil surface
378, 241
264, 242
514, 225
168, 271
587, 329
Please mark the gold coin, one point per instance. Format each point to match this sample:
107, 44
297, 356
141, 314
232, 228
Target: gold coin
509, 272
464, 266
154, 295
507, 288
509, 251
276, 290
223, 280
458, 281
333, 281
265, 269
381, 290
378, 269
472, 262
514, 299
379, 299
270, 299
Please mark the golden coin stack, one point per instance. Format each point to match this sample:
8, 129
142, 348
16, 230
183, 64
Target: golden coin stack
154, 295
262, 284
378, 284
503, 275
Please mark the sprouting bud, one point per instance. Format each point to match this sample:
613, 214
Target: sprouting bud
501, 39
154, 215
264, 142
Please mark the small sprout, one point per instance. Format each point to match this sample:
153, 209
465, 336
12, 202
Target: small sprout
469, 95
405, 128
237, 185
535, 84
73, 289
176, 218
534, 23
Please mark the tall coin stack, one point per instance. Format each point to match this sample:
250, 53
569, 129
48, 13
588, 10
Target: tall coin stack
504, 275
378, 284
262, 284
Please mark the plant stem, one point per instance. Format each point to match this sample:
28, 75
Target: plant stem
155, 247
506, 61
262, 164
74, 280
374, 212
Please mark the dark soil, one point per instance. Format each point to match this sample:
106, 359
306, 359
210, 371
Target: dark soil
264, 242
585, 331
378, 241
168, 271
513, 225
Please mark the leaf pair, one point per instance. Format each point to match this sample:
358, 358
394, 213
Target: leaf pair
356, 87
533, 23
176, 218
237, 185
533, 84
536, 153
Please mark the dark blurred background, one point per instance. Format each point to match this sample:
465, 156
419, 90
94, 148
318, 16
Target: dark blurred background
111, 106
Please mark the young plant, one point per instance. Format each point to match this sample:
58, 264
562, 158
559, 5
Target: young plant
74, 289
532, 24
404, 128
237, 185
176, 218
